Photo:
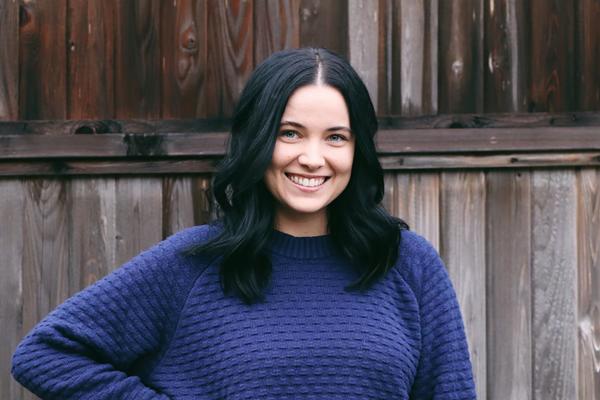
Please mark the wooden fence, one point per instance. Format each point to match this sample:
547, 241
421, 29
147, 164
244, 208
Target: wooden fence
120, 161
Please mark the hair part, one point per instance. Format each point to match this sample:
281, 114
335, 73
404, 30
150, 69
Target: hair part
360, 227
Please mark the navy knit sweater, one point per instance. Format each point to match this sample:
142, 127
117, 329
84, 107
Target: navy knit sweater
160, 327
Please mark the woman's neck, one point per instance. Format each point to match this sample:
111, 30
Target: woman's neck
301, 224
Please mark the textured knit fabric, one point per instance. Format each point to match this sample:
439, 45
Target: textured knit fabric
160, 327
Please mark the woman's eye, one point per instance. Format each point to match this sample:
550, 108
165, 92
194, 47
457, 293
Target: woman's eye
337, 138
288, 134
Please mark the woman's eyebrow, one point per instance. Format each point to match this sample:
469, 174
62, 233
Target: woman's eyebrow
300, 126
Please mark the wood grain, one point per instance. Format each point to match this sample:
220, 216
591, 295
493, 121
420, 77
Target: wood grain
324, 23
554, 277
552, 56
43, 60
186, 202
9, 59
184, 58
508, 255
505, 69
587, 47
11, 284
276, 27
230, 54
91, 41
137, 59
463, 250
363, 17
460, 56
588, 284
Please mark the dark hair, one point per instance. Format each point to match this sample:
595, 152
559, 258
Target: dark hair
360, 228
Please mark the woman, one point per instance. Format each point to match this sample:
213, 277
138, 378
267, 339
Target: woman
306, 288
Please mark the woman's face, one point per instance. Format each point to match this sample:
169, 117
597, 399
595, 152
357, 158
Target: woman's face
312, 159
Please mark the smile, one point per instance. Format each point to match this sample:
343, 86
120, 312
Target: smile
307, 182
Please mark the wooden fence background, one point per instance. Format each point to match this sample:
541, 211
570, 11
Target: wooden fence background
517, 221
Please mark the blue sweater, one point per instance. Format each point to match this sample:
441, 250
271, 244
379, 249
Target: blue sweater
160, 327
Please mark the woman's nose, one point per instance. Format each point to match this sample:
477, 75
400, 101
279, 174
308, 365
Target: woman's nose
311, 157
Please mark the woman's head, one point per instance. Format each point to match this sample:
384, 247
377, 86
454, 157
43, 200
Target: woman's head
303, 113
258, 116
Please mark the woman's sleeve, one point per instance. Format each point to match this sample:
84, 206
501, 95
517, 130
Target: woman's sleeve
83, 348
444, 370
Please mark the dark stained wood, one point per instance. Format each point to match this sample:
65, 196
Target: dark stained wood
11, 284
183, 47
91, 41
230, 54
276, 27
137, 59
324, 23
552, 56
460, 56
43, 60
384, 57
508, 255
138, 216
554, 279
506, 56
588, 276
9, 62
463, 250
588, 55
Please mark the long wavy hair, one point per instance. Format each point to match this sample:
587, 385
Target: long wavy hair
362, 230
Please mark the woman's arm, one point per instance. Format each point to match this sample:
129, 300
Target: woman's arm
83, 349
444, 370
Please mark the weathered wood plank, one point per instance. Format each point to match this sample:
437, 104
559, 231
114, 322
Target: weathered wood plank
414, 57
184, 52
138, 216
363, 17
588, 55
93, 231
461, 56
554, 277
508, 255
393, 200
324, 24
186, 202
588, 276
137, 60
9, 60
276, 27
43, 85
506, 54
463, 249
230, 54
91, 38
11, 284
552, 56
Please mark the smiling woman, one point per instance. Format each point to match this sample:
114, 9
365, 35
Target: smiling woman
305, 288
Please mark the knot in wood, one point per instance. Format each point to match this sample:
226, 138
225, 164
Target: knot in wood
142, 145
189, 39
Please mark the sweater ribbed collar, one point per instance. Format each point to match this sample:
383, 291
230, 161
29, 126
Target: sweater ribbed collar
306, 247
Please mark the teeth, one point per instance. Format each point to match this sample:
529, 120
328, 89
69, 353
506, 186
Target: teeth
307, 182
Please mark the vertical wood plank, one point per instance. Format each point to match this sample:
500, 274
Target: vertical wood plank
230, 54
552, 56
324, 24
588, 55
363, 17
384, 57
508, 250
91, 59
276, 27
137, 59
93, 231
414, 57
183, 55
506, 55
460, 56
138, 216
463, 250
554, 263
11, 285
186, 202
9, 59
393, 201
43, 60
588, 318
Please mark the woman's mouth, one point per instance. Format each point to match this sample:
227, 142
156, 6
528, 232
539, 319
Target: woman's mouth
307, 182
